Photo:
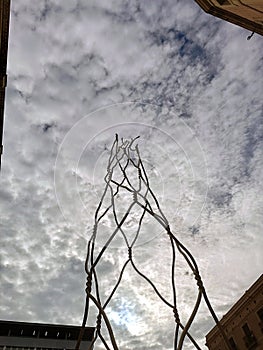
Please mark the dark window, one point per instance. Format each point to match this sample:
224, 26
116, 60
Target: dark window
249, 337
232, 344
28, 332
4, 330
73, 334
246, 330
223, 2
15, 331
260, 314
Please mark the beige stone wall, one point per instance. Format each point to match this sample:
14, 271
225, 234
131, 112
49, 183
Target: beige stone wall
245, 13
245, 311
256, 4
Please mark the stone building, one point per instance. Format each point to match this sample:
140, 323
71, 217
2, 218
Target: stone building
36, 336
243, 323
244, 13
4, 31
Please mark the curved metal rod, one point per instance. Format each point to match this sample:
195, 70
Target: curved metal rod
117, 284
191, 338
120, 158
106, 320
190, 320
151, 283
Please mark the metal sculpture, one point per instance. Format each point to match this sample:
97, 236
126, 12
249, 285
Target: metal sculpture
124, 157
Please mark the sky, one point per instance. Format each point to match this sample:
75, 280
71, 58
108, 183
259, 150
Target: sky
190, 85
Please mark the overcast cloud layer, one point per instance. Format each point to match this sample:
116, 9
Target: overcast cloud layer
191, 86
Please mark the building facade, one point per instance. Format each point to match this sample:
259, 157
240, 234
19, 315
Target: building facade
243, 323
40, 336
4, 32
244, 13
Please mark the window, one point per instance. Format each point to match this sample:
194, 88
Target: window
223, 2
260, 314
246, 330
232, 344
249, 337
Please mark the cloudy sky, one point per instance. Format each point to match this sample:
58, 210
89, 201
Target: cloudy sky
191, 86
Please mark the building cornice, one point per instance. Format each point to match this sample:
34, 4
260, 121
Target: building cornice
4, 33
225, 13
254, 290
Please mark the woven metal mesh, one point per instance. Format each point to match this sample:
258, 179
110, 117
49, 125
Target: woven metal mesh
126, 176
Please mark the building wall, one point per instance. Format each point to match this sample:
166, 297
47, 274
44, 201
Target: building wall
245, 13
23, 335
246, 316
4, 32
17, 343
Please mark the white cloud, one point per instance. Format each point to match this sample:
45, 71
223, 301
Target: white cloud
68, 61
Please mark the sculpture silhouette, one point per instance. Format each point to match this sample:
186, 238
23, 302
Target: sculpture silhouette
126, 174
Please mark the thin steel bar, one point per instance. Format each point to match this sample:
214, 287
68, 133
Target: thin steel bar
123, 156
